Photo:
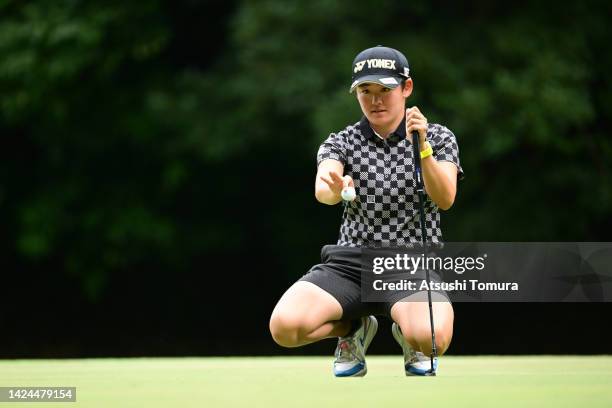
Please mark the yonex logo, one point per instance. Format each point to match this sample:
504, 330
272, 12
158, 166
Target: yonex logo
375, 63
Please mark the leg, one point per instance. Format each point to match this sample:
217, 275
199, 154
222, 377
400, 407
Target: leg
413, 319
305, 314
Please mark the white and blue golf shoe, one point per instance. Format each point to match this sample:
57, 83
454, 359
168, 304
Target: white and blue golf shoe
350, 352
415, 362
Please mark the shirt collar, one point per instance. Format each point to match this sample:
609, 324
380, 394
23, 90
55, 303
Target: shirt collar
368, 132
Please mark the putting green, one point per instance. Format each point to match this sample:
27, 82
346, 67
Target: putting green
491, 381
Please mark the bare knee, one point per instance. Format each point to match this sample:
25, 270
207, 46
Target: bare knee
301, 313
422, 339
285, 330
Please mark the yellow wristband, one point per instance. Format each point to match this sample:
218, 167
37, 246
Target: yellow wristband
427, 152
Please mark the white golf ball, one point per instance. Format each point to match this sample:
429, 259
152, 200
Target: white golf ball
348, 193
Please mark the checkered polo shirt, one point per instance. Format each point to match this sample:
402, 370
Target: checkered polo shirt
386, 212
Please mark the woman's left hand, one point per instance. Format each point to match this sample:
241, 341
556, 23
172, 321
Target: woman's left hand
416, 122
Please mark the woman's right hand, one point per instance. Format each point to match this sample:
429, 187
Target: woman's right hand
336, 182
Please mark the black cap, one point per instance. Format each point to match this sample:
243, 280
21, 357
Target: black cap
379, 65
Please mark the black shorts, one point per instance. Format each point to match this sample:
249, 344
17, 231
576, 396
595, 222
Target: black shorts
339, 274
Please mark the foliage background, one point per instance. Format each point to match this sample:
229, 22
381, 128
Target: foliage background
158, 158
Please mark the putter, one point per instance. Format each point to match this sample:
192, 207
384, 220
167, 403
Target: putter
421, 193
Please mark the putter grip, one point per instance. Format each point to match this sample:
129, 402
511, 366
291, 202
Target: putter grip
416, 143
416, 150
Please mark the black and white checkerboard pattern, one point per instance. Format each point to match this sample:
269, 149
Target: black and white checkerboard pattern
386, 212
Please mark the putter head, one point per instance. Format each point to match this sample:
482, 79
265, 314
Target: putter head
432, 371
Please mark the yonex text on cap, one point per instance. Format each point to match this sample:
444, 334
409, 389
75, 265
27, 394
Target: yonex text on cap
379, 65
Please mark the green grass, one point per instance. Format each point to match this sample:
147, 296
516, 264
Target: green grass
517, 382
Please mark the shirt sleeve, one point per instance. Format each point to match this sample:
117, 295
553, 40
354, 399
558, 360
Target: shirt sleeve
445, 147
334, 147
